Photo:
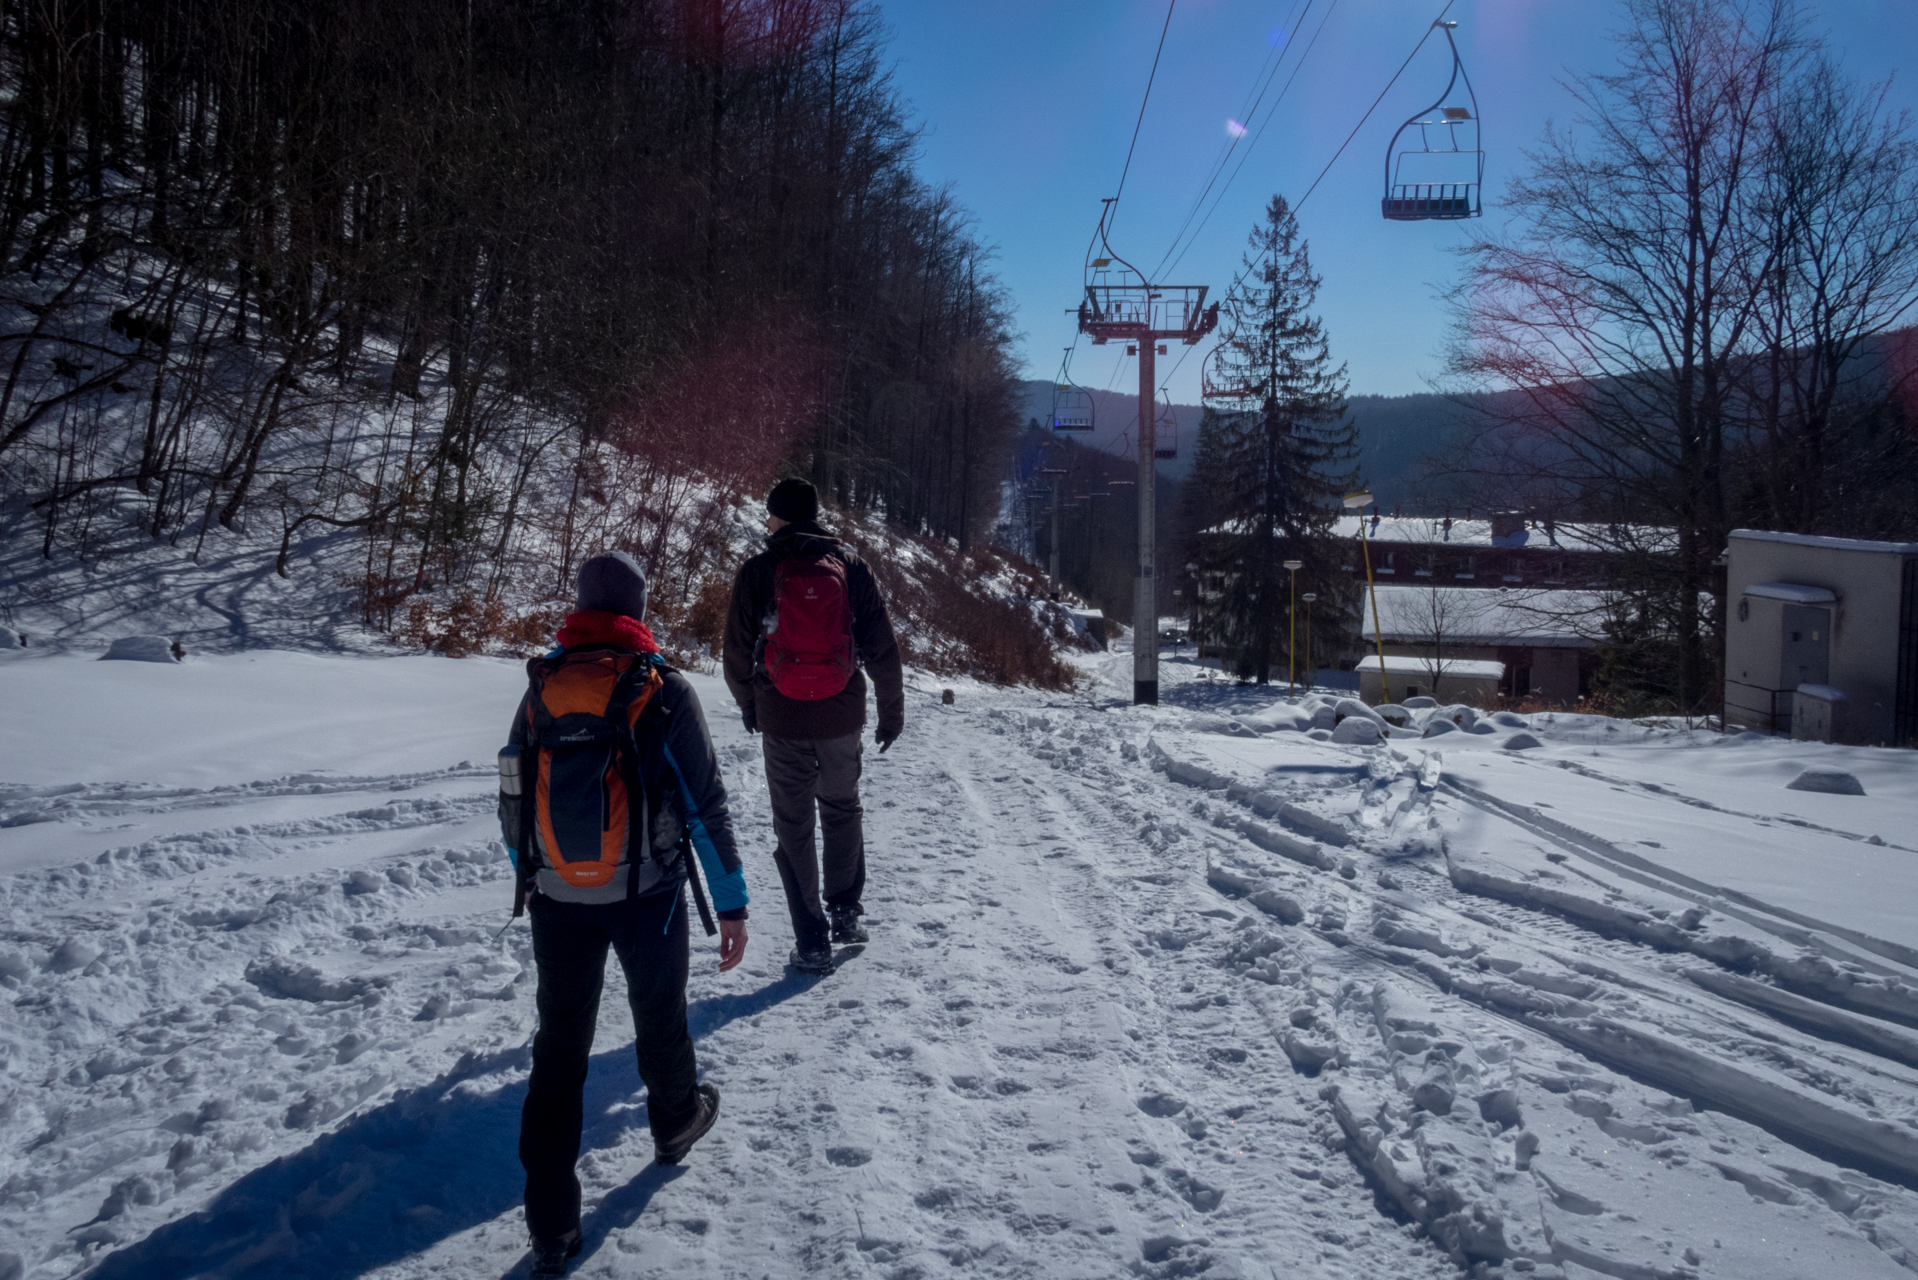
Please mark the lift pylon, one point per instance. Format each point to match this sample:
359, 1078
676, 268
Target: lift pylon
1121, 303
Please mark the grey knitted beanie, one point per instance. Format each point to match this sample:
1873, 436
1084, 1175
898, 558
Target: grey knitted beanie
613, 582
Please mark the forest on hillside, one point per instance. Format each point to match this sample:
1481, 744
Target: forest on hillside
486, 281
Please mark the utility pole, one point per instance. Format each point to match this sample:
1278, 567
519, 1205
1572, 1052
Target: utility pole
1143, 315
1056, 478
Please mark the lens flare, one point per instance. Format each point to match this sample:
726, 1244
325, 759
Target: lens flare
1235, 129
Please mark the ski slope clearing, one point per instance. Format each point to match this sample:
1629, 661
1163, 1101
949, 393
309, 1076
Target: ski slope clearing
1231, 987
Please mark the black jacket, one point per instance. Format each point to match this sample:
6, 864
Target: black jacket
845, 712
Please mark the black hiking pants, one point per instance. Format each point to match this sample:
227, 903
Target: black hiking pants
570, 941
802, 773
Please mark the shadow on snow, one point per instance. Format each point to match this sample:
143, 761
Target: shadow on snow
434, 1161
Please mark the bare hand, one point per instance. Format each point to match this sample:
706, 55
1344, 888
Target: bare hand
732, 943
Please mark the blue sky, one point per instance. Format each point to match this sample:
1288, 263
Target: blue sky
1028, 106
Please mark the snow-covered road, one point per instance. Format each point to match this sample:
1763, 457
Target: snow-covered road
1160, 992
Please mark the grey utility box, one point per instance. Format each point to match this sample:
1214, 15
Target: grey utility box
1825, 628
1818, 713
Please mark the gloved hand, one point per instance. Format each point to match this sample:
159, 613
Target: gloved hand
749, 716
887, 735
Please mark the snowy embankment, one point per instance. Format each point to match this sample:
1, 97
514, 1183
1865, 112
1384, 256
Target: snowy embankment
1228, 987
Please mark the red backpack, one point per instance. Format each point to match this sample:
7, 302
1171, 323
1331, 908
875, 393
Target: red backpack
809, 650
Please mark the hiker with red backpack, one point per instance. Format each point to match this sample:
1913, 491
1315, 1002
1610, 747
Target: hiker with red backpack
807, 622
609, 796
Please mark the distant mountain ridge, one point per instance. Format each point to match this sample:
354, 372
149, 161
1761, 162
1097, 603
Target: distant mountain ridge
1396, 435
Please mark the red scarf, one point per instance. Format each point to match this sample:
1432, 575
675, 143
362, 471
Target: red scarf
595, 626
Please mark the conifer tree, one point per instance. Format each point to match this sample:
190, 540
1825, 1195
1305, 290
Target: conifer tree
1274, 453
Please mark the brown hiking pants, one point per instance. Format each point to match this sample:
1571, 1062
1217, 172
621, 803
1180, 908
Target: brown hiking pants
802, 772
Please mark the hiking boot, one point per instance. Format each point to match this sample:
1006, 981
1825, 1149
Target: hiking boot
811, 959
675, 1149
845, 925
551, 1255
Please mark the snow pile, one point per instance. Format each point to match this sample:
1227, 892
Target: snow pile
141, 649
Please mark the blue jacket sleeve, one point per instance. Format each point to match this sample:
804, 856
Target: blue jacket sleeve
702, 793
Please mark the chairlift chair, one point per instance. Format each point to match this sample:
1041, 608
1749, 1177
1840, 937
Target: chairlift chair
1461, 166
1165, 433
1072, 407
1216, 384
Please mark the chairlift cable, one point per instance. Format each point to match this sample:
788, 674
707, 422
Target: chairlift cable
1240, 275
1268, 73
1375, 105
1265, 124
1150, 77
1256, 136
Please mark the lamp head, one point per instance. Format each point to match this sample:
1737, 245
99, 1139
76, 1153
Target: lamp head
1309, 596
1359, 499
1294, 565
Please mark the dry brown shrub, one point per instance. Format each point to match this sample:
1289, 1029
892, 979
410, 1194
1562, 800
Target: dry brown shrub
379, 596
1598, 704
467, 624
705, 622
951, 630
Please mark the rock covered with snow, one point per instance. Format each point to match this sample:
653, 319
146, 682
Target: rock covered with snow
1346, 708
1419, 703
141, 649
1522, 742
1290, 717
1439, 725
1358, 731
1832, 782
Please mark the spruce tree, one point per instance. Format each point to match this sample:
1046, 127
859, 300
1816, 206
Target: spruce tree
1275, 454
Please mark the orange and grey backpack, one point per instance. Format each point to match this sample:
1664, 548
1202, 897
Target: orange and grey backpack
580, 763
577, 797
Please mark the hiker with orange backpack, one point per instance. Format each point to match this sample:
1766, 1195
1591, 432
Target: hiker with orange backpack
609, 797
807, 621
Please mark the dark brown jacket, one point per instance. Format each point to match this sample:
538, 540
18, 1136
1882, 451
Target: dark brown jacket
845, 712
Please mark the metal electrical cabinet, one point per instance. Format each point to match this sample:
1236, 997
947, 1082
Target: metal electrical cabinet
1826, 623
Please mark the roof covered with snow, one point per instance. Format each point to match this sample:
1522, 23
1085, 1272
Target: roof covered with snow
1476, 615
1478, 533
1794, 592
1457, 668
1828, 544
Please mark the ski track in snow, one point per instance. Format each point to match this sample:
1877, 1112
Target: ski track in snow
1150, 992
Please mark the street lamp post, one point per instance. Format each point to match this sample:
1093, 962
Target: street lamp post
1292, 567
1358, 502
1198, 640
1308, 597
